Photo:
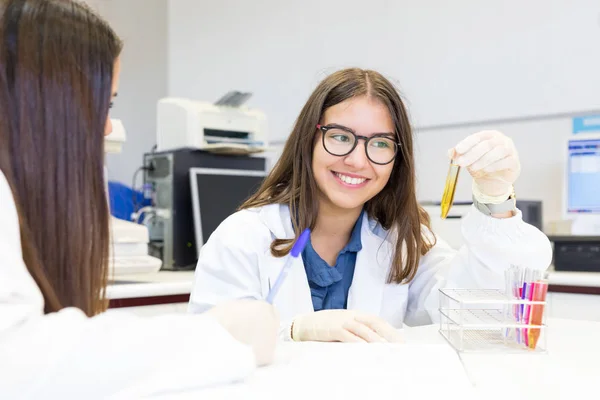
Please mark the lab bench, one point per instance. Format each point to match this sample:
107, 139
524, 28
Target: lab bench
153, 293
574, 295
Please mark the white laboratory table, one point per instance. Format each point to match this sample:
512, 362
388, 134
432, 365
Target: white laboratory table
162, 283
166, 287
570, 366
426, 367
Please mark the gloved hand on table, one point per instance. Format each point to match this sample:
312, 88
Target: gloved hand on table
343, 326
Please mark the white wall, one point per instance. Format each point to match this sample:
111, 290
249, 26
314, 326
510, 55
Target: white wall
142, 24
511, 63
456, 61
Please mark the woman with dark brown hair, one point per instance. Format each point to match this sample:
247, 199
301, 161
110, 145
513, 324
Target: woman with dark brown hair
59, 73
347, 172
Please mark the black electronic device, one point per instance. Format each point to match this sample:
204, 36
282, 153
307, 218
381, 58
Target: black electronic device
172, 236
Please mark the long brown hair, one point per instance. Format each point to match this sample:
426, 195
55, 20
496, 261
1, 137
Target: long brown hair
56, 69
291, 181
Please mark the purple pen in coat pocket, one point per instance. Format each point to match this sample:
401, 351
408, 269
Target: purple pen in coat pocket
294, 253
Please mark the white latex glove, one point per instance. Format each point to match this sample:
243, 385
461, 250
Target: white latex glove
343, 326
492, 160
252, 322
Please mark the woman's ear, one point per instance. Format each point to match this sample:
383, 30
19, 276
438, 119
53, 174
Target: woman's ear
108, 127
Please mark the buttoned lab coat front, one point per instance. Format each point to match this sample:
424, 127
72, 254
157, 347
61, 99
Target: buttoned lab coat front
236, 262
66, 355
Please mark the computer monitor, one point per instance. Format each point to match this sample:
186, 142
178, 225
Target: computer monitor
216, 194
582, 188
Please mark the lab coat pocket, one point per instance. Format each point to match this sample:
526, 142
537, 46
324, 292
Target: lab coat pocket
273, 268
293, 296
395, 301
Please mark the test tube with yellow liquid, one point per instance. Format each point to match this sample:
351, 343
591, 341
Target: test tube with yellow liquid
450, 188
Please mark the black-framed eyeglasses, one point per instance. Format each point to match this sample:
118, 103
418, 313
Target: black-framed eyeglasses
380, 148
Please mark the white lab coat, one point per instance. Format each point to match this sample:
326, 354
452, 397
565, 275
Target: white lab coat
236, 263
66, 355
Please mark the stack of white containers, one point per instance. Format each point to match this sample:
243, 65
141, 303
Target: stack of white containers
129, 249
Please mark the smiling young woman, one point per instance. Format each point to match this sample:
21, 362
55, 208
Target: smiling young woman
347, 172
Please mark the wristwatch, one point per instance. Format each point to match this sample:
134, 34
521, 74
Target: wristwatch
488, 205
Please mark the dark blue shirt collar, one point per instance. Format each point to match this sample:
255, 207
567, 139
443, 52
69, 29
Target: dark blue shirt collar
318, 271
354, 244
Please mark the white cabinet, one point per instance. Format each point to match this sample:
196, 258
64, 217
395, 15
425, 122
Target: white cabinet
574, 306
159, 309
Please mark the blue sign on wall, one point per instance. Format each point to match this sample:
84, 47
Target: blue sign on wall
589, 123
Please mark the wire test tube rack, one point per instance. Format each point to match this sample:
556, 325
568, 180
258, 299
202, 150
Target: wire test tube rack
487, 320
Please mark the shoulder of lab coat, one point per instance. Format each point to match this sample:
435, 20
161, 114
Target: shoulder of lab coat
491, 246
229, 263
68, 355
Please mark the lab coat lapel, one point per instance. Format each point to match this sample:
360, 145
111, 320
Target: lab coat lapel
371, 270
294, 295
